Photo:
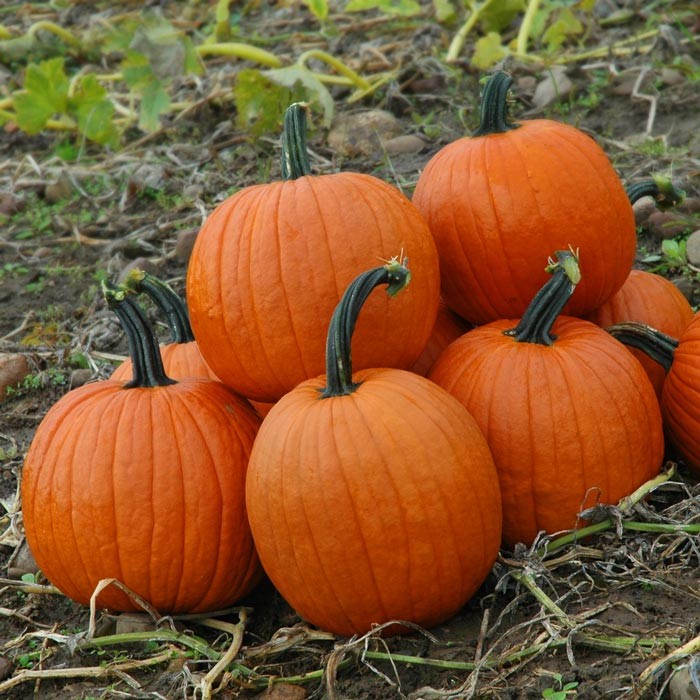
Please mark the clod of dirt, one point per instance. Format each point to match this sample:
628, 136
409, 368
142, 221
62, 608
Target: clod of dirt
555, 87
283, 691
643, 209
60, 189
14, 367
139, 263
78, 377
22, 562
666, 224
406, 143
685, 286
363, 133
5, 667
134, 622
185, 243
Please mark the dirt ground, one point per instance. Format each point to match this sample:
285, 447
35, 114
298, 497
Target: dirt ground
588, 619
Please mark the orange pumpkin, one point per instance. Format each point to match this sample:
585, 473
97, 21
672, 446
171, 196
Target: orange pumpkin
570, 416
372, 496
143, 482
651, 299
271, 262
181, 356
528, 188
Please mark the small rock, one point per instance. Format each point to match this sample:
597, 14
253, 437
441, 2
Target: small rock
151, 175
643, 209
60, 189
526, 84
13, 369
671, 76
406, 143
681, 686
78, 377
185, 243
141, 263
690, 205
283, 691
623, 82
11, 203
193, 191
134, 622
5, 668
692, 248
363, 133
22, 562
666, 224
428, 85
685, 286
553, 88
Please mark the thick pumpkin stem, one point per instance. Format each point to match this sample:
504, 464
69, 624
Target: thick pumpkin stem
535, 326
396, 275
143, 345
657, 345
495, 106
661, 188
295, 157
166, 299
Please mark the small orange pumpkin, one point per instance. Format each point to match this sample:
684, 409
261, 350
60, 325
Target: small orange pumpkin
143, 482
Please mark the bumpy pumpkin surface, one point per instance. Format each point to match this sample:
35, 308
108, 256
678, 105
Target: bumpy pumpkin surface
375, 501
271, 262
526, 188
145, 484
570, 416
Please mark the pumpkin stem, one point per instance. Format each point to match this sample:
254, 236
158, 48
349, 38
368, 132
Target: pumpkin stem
661, 188
295, 157
495, 105
143, 344
166, 299
657, 345
535, 326
396, 275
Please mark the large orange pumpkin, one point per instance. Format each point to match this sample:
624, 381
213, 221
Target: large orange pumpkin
143, 482
372, 496
528, 188
271, 262
181, 356
570, 416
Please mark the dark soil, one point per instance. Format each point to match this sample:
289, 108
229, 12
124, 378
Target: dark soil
66, 225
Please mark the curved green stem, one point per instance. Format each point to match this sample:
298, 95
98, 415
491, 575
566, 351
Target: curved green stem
657, 345
661, 188
526, 26
295, 157
460, 37
143, 345
237, 50
535, 326
339, 382
495, 105
357, 80
165, 298
48, 26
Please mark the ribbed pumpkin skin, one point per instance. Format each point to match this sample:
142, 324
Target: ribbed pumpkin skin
272, 261
541, 187
569, 425
181, 360
363, 514
145, 485
651, 299
680, 400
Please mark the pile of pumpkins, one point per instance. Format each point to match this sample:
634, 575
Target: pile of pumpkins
482, 403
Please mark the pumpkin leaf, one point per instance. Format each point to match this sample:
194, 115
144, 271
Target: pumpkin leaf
318, 8
93, 110
566, 25
488, 51
445, 11
499, 14
45, 94
294, 77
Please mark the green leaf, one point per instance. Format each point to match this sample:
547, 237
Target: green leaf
137, 71
488, 51
445, 11
45, 94
93, 110
402, 8
154, 101
318, 8
499, 14
295, 77
260, 103
566, 24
